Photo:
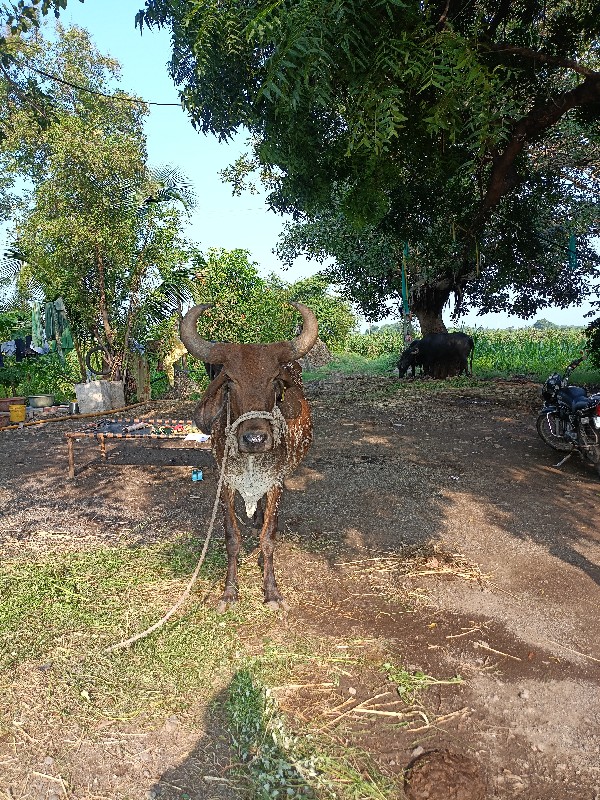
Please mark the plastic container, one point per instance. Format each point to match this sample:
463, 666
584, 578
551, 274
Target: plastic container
17, 413
197, 475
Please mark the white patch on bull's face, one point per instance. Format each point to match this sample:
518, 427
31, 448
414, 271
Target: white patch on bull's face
252, 476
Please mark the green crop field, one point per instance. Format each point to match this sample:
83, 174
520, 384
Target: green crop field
505, 353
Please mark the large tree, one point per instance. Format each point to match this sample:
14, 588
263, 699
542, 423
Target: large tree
98, 227
467, 128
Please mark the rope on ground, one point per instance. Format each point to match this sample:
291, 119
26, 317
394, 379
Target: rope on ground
278, 420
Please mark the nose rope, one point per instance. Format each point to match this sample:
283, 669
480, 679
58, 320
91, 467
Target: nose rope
275, 416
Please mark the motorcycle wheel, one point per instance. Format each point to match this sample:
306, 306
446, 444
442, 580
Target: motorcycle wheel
549, 426
590, 445
95, 361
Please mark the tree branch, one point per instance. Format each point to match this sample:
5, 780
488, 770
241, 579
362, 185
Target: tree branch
536, 55
502, 12
108, 332
503, 176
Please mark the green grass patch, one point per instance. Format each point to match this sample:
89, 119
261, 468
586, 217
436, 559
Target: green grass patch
498, 353
351, 363
276, 764
526, 351
411, 683
59, 613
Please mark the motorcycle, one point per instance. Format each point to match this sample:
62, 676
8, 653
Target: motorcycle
570, 418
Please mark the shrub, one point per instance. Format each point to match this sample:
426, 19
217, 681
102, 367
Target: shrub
592, 335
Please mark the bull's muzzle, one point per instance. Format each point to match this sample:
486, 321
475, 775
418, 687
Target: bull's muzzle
255, 439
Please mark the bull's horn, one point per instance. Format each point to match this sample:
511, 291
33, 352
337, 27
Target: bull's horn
310, 330
188, 331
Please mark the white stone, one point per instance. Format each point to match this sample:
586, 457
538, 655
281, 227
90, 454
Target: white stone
93, 397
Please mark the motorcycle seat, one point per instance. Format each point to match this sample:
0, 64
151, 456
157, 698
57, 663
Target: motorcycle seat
575, 397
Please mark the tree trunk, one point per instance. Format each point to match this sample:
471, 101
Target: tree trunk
81, 360
141, 375
427, 302
108, 332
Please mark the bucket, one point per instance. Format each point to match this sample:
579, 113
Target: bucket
16, 413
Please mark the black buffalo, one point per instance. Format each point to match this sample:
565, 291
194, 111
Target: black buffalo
439, 355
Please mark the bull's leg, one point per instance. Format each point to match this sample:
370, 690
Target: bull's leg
267, 545
233, 542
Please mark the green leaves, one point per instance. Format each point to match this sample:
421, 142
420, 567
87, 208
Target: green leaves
249, 308
402, 119
22, 16
99, 228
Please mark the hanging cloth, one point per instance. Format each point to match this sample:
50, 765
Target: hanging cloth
404, 281
49, 322
52, 329
66, 338
37, 328
19, 349
57, 327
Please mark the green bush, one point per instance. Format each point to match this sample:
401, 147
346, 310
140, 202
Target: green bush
248, 308
42, 375
592, 335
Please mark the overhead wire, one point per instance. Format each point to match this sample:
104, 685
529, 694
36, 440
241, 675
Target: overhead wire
123, 98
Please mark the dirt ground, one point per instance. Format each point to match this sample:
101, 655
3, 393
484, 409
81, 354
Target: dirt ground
425, 528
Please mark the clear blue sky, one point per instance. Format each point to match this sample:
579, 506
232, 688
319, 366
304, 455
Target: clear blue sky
219, 220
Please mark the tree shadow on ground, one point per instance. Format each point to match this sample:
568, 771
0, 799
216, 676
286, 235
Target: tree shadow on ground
205, 772
257, 767
391, 481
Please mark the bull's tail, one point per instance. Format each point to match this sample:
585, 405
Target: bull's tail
471, 359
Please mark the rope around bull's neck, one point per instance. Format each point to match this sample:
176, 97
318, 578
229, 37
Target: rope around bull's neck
279, 427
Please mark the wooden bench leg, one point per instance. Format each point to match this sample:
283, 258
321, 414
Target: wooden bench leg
71, 457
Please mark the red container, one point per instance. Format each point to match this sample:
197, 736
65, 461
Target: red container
5, 402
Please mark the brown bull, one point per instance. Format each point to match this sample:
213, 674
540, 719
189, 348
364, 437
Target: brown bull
259, 395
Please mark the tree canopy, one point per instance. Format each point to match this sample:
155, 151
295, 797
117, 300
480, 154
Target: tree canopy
467, 129
250, 308
97, 226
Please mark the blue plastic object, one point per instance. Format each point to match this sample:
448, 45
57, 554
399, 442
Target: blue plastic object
196, 474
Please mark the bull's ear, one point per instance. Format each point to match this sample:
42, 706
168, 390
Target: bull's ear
212, 404
216, 384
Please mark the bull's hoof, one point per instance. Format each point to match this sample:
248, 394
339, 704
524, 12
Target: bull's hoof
223, 605
277, 605
227, 599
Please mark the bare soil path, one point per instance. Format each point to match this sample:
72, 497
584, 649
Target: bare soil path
426, 528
